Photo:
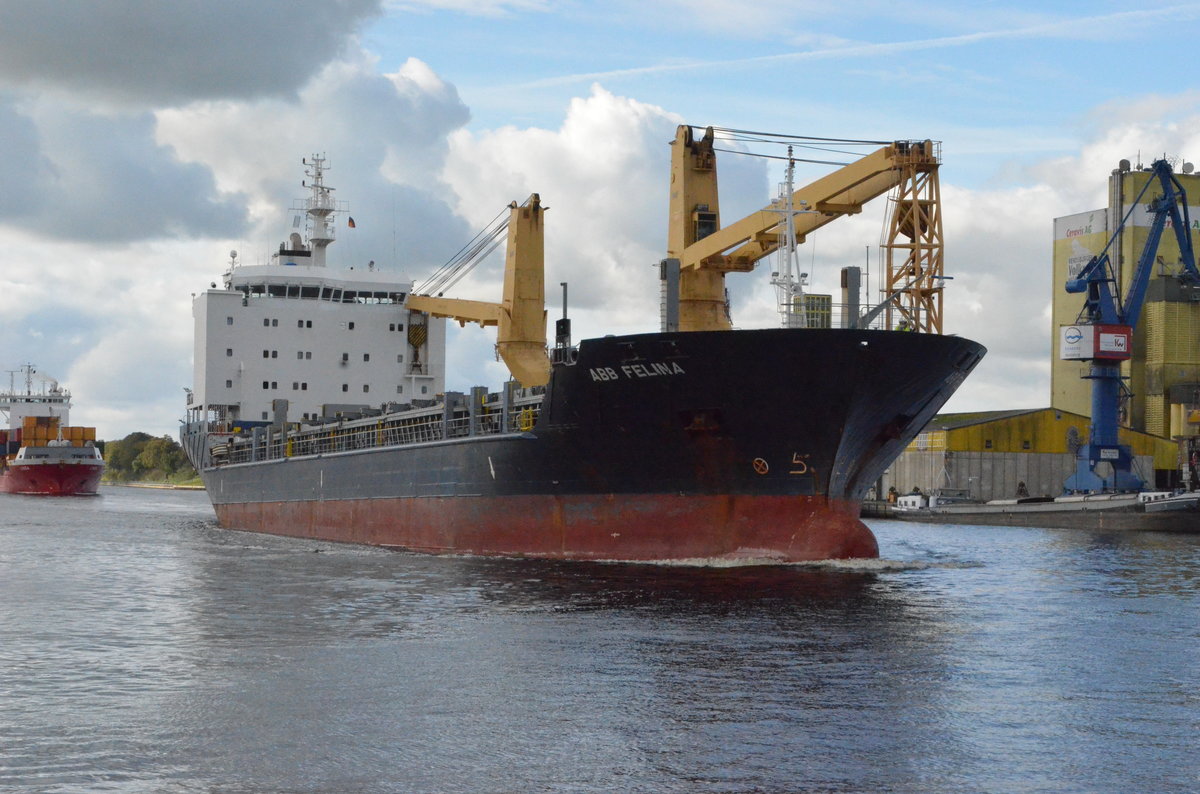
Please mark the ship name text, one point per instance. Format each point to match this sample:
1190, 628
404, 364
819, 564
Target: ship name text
650, 369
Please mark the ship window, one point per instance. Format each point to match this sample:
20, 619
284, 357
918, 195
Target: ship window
337, 296
366, 356
326, 294
345, 387
299, 323
400, 358
391, 326
300, 355
366, 388
1025, 445
400, 389
274, 354
266, 323
424, 390
293, 291
266, 384
303, 387
275, 323
266, 354
277, 290
229, 321
308, 323
264, 415
274, 384
229, 352
987, 444
308, 292
345, 356
295, 385
351, 325
307, 354
228, 384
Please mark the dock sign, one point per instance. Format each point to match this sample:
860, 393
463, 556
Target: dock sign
1082, 342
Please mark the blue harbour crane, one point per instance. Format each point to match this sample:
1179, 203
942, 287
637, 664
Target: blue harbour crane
1103, 332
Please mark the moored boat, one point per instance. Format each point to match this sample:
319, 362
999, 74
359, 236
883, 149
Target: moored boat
1159, 511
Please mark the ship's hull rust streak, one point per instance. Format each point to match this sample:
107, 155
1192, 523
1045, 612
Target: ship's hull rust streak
637, 527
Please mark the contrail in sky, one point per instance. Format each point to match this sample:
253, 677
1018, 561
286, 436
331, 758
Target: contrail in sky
1084, 27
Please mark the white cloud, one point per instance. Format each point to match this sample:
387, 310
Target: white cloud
385, 138
604, 174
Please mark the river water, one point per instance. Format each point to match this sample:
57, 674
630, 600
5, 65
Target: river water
143, 649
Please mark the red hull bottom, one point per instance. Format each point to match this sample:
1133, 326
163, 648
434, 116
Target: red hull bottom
52, 479
644, 528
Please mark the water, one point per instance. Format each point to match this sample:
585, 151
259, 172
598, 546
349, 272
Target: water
142, 649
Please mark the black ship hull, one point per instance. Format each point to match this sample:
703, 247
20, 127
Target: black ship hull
704, 445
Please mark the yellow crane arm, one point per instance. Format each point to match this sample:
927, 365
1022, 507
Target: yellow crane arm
521, 315
464, 311
842, 192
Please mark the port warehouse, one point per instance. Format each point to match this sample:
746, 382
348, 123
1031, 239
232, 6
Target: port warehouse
991, 453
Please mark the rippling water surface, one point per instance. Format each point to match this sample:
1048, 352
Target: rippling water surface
144, 649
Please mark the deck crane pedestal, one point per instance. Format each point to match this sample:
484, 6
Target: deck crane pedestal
1103, 332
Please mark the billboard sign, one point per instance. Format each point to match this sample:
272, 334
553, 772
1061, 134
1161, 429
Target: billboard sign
1081, 342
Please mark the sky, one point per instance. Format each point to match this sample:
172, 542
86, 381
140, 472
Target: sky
145, 140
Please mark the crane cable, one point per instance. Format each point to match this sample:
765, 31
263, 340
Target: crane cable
782, 139
468, 257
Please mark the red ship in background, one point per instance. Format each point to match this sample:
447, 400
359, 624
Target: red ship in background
43, 455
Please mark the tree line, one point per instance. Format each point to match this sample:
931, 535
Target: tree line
142, 457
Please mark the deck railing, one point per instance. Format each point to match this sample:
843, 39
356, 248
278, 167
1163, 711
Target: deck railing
394, 430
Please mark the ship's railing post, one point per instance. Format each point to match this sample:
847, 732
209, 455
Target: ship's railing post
450, 401
506, 401
478, 396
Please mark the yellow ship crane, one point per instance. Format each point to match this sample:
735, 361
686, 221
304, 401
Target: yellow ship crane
706, 251
520, 317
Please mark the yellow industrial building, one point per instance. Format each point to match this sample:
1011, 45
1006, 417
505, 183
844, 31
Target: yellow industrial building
1003, 454
1006, 454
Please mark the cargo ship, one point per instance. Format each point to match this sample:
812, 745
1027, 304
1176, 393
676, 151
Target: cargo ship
695, 443
43, 455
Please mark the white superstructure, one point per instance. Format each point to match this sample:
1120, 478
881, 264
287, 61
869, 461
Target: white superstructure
327, 340
47, 398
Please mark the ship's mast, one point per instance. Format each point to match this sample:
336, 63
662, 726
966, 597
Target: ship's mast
788, 280
51, 400
320, 208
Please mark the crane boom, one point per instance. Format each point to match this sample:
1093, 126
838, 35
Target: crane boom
520, 317
706, 250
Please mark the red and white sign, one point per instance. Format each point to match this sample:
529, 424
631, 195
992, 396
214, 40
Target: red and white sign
1091, 342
